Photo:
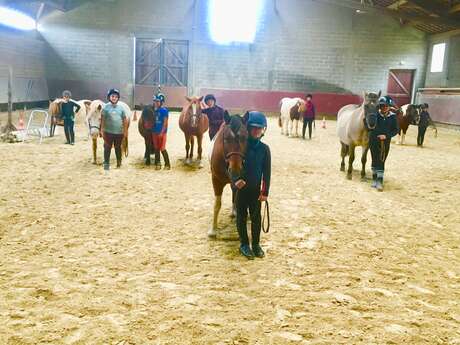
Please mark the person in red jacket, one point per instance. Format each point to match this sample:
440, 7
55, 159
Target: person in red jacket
308, 116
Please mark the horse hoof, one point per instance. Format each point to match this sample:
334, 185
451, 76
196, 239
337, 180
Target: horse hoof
363, 179
342, 168
212, 233
348, 176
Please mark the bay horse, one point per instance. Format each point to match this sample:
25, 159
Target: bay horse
193, 123
144, 126
291, 109
227, 156
407, 115
55, 111
352, 130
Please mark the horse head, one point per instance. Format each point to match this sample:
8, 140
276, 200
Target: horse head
55, 107
370, 104
301, 106
194, 110
235, 137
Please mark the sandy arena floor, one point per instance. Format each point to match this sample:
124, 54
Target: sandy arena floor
122, 258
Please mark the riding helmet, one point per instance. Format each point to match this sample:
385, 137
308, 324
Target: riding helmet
66, 93
159, 97
209, 97
384, 101
113, 92
257, 119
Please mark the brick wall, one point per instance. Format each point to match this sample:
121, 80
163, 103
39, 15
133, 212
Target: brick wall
24, 52
301, 45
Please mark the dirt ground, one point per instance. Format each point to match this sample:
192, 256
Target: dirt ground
123, 258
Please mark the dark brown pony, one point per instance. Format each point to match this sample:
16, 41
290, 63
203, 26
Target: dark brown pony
54, 111
228, 152
144, 126
193, 123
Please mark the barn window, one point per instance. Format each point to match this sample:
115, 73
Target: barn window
234, 20
437, 57
16, 19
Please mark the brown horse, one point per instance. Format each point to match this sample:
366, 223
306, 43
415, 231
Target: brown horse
227, 156
144, 126
54, 111
193, 123
407, 115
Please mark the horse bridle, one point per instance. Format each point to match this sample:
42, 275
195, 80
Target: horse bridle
230, 154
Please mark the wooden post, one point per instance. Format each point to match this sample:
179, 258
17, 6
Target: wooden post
9, 125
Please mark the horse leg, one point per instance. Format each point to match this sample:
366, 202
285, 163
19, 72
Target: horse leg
199, 141
192, 143
350, 161
94, 149
148, 149
291, 127
343, 154
403, 137
218, 189
233, 214
285, 126
364, 161
187, 148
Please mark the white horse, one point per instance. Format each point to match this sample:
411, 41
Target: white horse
352, 131
291, 109
93, 121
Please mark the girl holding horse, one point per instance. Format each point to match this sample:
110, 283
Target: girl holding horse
253, 186
382, 127
68, 115
215, 115
159, 130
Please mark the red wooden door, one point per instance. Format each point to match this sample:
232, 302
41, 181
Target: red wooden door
400, 82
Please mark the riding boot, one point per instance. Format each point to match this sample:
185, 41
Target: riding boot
246, 251
166, 158
107, 158
72, 137
67, 135
374, 179
157, 160
118, 155
379, 184
258, 251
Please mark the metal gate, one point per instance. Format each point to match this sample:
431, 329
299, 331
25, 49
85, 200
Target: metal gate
161, 62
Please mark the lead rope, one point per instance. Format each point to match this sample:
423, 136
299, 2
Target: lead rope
266, 218
382, 151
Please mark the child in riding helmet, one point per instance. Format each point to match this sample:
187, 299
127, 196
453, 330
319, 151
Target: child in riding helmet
68, 115
424, 121
114, 127
215, 115
254, 186
382, 127
159, 130
308, 116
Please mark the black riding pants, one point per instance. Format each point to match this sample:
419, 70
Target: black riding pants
379, 152
421, 135
68, 130
309, 122
248, 199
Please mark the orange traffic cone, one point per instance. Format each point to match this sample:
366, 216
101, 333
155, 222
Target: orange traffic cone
135, 115
323, 124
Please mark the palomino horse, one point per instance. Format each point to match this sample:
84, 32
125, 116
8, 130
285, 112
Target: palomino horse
407, 115
352, 131
144, 126
55, 110
93, 120
193, 123
227, 156
291, 108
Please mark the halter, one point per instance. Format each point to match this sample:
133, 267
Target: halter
230, 154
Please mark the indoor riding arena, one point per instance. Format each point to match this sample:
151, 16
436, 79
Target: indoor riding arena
119, 249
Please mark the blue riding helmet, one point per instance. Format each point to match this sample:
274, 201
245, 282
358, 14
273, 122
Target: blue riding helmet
257, 119
386, 100
209, 97
159, 98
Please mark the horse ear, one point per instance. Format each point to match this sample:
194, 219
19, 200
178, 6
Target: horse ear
227, 117
200, 99
380, 93
246, 117
99, 107
188, 99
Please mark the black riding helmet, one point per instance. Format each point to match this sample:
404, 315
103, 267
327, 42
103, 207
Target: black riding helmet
209, 97
113, 92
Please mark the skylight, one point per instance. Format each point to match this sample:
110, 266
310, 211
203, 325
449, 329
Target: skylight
437, 57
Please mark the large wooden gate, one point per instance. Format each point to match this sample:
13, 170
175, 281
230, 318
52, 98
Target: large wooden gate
161, 62
400, 82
